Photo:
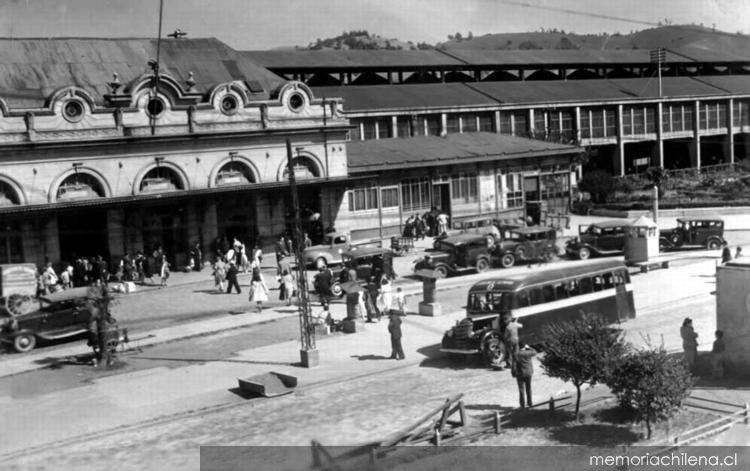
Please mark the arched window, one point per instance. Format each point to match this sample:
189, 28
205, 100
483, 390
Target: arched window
160, 179
8, 196
304, 168
234, 173
79, 186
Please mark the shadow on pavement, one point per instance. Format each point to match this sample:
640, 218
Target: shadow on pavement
437, 359
370, 357
208, 291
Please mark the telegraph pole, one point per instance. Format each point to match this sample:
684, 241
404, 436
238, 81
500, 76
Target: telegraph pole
308, 352
658, 56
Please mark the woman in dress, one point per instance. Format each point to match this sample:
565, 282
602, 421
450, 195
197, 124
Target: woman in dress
258, 289
164, 273
385, 295
286, 287
220, 274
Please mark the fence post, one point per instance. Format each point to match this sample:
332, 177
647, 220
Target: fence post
315, 454
497, 422
747, 413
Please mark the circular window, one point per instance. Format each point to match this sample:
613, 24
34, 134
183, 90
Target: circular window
73, 110
155, 107
229, 104
296, 102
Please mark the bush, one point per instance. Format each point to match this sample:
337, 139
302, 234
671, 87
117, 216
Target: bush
599, 183
651, 382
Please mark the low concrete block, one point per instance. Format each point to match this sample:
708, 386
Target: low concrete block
430, 309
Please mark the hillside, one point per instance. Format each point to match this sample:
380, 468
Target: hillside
362, 40
684, 37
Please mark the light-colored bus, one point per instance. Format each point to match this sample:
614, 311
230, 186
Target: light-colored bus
536, 299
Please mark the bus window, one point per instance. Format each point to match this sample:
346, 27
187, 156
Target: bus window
609, 280
598, 283
497, 301
535, 296
585, 285
522, 298
573, 288
561, 290
548, 293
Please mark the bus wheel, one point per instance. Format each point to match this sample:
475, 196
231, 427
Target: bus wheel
491, 349
507, 260
584, 253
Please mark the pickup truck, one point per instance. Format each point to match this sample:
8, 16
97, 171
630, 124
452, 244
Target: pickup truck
329, 252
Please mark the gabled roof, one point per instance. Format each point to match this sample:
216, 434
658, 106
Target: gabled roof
350, 58
412, 152
32, 69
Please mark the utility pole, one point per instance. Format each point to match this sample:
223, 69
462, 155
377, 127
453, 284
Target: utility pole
658, 56
154, 64
308, 352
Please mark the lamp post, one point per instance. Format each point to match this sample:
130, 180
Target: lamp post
308, 352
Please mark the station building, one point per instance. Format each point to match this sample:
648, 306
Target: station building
102, 155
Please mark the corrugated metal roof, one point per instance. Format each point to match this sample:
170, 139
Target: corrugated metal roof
338, 59
32, 69
350, 59
555, 91
553, 56
374, 155
411, 97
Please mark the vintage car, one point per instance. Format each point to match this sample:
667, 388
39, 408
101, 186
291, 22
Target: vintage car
329, 252
526, 243
599, 238
485, 225
693, 232
367, 262
55, 316
456, 254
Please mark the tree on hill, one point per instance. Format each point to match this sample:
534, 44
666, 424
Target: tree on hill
652, 383
582, 351
566, 43
529, 45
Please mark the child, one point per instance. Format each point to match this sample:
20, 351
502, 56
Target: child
400, 302
259, 290
164, 273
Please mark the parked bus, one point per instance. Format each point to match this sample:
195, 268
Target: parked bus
536, 299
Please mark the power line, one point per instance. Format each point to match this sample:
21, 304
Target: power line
579, 13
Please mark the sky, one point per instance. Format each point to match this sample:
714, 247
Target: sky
268, 24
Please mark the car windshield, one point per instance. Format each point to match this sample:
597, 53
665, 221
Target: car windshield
489, 302
595, 230
444, 247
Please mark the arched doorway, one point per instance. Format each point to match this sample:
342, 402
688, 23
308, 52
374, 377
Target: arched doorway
83, 232
305, 168
234, 173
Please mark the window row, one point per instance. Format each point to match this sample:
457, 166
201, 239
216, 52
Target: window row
422, 125
598, 122
558, 290
677, 117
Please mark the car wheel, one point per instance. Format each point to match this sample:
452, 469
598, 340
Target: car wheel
584, 253
549, 254
337, 290
713, 244
441, 272
676, 239
521, 253
24, 343
482, 265
18, 304
492, 349
320, 261
507, 260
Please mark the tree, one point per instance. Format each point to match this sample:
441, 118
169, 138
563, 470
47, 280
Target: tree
599, 183
581, 351
652, 383
657, 176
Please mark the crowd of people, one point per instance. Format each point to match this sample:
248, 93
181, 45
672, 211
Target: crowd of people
433, 223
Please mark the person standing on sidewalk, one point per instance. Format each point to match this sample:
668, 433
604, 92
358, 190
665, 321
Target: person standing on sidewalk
689, 343
220, 274
232, 277
510, 342
717, 355
394, 328
258, 289
164, 272
523, 370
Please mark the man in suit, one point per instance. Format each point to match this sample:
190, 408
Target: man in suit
523, 368
394, 327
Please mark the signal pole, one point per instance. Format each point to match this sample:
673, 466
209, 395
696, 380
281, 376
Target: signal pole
308, 352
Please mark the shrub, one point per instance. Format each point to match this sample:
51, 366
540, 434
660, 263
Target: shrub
599, 183
651, 382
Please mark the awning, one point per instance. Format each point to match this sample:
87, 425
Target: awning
170, 195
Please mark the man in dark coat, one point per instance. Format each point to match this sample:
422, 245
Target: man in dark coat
394, 327
232, 277
323, 282
523, 368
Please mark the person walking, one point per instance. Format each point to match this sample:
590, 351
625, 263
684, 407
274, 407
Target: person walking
258, 289
510, 342
164, 271
394, 328
523, 371
220, 274
197, 256
726, 254
689, 343
738, 253
385, 295
717, 355
232, 278
286, 287
50, 279
322, 282
400, 301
